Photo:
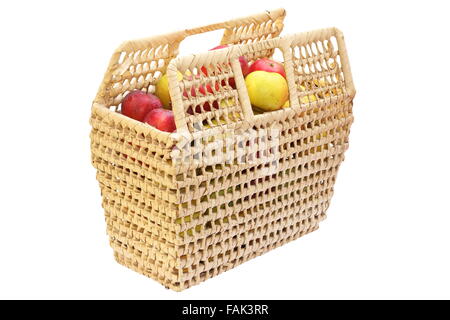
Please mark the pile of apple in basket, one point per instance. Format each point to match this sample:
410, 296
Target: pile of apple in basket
266, 85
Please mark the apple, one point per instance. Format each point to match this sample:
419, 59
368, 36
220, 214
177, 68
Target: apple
161, 119
137, 104
267, 91
308, 99
242, 60
203, 90
162, 89
267, 65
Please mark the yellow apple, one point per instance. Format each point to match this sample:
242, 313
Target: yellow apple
267, 90
320, 83
257, 111
162, 89
336, 91
227, 102
308, 99
222, 192
215, 123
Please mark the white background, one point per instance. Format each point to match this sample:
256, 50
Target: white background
387, 233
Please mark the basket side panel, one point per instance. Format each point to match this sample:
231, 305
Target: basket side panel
139, 195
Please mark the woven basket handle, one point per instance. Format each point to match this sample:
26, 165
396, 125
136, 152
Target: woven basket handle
233, 28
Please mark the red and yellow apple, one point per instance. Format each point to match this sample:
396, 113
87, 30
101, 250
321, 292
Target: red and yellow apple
267, 91
267, 65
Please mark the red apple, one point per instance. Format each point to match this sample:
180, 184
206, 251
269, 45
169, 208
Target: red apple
208, 88
137, 104
243, 60
244, 66
222, 46
203, 92
267, 65
201, 88
161, 119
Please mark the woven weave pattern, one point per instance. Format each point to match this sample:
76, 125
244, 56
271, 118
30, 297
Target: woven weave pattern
230, 184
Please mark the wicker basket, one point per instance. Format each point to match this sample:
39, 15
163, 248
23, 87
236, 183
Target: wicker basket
230, 184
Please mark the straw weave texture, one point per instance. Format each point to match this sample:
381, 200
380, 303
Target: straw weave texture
231, 183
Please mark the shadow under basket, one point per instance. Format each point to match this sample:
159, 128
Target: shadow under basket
231, 183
